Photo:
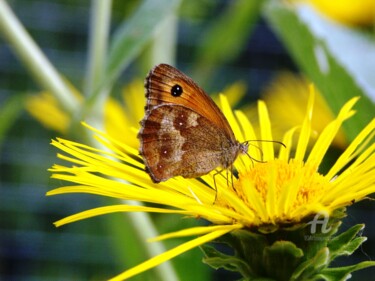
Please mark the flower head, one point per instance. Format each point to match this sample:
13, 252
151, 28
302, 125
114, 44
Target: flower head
282, 189
120, 119
288, 90
355, 13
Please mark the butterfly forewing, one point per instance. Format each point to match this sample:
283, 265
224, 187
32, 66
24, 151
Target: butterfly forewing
164, 77
183, 132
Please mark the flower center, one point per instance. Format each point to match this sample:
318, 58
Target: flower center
285, 190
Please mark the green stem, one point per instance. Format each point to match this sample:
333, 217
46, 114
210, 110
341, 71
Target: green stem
144, 226
163, 49
98, 43
33, 58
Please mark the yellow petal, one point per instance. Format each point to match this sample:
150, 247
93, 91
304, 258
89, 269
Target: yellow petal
175, 252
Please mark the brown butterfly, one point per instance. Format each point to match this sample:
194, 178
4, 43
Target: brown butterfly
183, 133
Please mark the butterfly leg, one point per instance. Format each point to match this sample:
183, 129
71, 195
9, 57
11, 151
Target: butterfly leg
227, 178
214, 178
231, 176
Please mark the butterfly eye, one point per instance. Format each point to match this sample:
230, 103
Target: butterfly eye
176, 90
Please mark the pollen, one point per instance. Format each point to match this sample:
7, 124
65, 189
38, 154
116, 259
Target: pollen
281, 187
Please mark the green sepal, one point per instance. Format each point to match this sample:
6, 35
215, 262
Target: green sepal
308, 268
217, 260
303, 251
347, 242
281, 258
248, 247
342, 273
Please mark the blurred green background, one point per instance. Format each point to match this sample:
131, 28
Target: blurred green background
31, 248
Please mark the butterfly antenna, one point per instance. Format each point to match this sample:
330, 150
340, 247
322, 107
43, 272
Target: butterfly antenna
248, 142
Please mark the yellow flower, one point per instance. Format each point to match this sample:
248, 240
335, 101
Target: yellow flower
291, 92
120, 120
45, 108
284, 188
349, 12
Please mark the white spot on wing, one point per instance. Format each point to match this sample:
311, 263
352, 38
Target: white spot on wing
193, 119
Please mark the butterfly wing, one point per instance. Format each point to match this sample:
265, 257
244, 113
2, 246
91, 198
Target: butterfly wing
183, 131
177, 141
160, 83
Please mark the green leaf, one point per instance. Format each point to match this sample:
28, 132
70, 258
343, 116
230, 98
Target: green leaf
226, 37
308, 268
346, 243
339, 69
216, 260
342, 273
281, 258
9, 113
133, 35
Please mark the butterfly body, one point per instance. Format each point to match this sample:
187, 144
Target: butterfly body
183, 132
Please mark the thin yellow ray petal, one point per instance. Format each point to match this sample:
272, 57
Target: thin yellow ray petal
174, 252
115, 189
249, 135
106, 187
83, 152
198, 230
234, 200
114, 209
326, 137
285, 201
203, 193
266, 133
254, 199
113, 169
119, 147
349, 183
114, 144
121, 151
360, 157
284, 153
247, 128
289, 193
365, 162
94, 184
271, 195
211, 215
304, 136
346, 199
346, 155
227, 110
243, 162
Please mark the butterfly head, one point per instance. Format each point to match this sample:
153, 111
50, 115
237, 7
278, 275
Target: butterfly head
243, 147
